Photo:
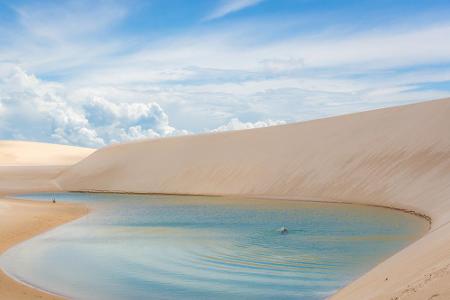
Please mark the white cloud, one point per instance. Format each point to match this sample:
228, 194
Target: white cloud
32, 109
61, 37
60, 20
238, 48
230, 6
236, 124
117, 122
235, 52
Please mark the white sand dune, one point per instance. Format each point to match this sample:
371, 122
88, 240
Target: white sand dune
13, 153
31, 166
397, 157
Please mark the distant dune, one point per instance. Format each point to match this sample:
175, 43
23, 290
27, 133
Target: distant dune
31, 166
397, 157
33, 153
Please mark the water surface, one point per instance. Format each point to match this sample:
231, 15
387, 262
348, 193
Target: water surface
191, 247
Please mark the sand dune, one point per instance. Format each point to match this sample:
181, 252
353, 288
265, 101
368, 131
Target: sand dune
397, 157
13, 153
31, 166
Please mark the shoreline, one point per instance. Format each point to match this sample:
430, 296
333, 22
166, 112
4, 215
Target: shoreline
405, 210
81, 210
22, 220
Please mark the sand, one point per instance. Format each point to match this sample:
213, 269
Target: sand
13, 153
31, 167
21, 220
396, 157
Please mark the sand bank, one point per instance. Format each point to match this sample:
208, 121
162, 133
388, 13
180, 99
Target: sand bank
396, 157
21, 220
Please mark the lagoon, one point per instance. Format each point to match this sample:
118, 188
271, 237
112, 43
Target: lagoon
199, 247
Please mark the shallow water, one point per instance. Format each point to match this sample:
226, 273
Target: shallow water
191, 247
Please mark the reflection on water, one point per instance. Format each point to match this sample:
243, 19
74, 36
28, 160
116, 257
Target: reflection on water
189, 247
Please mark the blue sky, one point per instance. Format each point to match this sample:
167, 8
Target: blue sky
96, 72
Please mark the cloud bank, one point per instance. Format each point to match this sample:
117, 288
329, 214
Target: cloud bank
31, 109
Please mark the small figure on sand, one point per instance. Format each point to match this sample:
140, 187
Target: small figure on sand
53, 198
283, 230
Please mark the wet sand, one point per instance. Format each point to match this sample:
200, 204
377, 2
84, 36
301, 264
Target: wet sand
22, 219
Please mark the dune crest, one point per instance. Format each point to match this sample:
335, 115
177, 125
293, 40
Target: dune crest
397, 157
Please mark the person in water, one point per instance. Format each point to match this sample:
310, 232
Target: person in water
283, 230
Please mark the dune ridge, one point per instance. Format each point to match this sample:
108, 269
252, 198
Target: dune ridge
397, 157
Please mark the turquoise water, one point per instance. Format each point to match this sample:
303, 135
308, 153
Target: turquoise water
190, 247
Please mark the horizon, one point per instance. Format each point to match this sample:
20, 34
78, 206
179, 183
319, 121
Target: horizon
84, 74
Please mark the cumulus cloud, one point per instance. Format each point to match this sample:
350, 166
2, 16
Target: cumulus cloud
236, 124
32, 109
117, 122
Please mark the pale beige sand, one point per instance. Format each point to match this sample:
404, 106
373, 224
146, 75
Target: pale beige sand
33, 153
31, 166
20, 220
397, 157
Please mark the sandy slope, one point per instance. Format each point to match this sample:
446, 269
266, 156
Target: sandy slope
20, 220
31, 166
397, 157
